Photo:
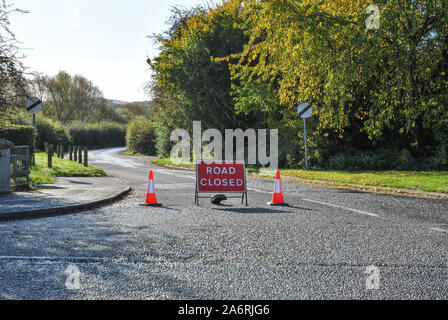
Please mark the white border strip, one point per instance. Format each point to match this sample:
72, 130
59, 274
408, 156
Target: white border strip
439, 230
345, 208
90, 259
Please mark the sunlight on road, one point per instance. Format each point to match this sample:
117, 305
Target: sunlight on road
111, 156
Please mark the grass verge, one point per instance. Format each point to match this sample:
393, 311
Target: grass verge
133, 153
168, 162
41, 174
428, 181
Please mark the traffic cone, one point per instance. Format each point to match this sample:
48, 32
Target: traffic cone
278, 200
151, 200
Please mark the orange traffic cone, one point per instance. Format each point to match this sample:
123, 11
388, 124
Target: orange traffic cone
151, 200
278, 200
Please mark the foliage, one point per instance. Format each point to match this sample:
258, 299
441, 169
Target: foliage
249, 64
12, 80
97, 135
382, 84
70, 98
198, 86
19, 135
140, 137
50, 132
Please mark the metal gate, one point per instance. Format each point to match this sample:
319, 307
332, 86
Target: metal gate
20, 166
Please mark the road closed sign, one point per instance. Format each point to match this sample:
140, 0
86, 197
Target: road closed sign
221, 176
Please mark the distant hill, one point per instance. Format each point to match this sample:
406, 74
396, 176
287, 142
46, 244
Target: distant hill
113, 103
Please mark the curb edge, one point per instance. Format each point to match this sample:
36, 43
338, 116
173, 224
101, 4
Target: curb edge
64, 210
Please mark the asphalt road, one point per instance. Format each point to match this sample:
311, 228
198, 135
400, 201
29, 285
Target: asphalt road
318, 248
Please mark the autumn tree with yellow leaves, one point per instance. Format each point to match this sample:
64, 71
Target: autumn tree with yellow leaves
373, 89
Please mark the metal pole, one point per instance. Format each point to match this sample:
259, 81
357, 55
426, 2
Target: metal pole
86, 154
34, 153
306, 145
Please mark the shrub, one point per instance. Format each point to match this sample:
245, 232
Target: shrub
163, 142
141, 137
19, 135
98, 135
49, 131
372, 160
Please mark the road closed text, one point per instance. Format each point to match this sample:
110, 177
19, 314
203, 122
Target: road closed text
221, 177
221, 182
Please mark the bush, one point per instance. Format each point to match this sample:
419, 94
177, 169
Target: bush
141, 137
50, 132
370, 161
19, 135
98, 135
163, 142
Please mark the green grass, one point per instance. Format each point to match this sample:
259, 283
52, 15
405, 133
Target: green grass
133, 153
41, 174
168, 162
430, 181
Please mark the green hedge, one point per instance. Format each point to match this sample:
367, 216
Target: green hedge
19, 135
141, 137
98, 135
50, 132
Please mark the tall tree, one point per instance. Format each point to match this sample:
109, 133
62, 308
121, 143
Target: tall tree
68, 98
383, 82
186, 70
12, 80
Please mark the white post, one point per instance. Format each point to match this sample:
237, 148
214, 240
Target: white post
5, 162
306, 144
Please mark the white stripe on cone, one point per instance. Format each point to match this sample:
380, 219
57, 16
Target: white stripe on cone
151, 187
278, 187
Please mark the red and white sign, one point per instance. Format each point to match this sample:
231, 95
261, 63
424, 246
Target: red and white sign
221, 176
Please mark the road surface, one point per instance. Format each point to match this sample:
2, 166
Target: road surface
318, 248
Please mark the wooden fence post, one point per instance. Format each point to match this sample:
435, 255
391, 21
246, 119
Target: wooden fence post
79, 154
86, 157
50, 156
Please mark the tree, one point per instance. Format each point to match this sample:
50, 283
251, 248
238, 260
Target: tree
136, 109
185, 69
389, 85
13, 88
68, 98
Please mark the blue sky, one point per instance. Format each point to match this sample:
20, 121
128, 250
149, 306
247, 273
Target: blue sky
104, 40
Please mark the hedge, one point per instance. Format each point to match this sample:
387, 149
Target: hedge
141, 137
19, 135
50, 132
98, 135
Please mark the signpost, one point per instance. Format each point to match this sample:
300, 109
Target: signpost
305, 111
221, 177
34, 106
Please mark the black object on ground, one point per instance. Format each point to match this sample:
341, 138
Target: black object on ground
218, 198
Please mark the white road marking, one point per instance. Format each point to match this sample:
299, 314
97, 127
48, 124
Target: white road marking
439, 230
50, 258
258, 190
344, 208
175, 173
